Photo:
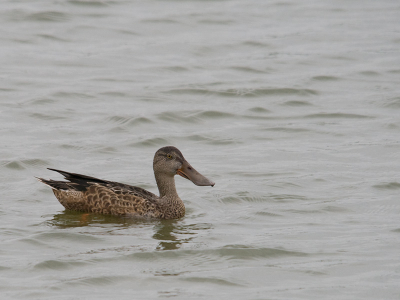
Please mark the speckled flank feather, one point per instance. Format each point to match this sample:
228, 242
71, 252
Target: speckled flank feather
89, 194
104, 200
107, 197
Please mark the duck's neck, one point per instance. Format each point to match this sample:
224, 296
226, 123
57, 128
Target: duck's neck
172, 206
166, 187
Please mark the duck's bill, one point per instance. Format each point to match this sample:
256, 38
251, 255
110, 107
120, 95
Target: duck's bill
188, 172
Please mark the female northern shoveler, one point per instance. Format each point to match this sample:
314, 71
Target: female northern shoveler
89, 194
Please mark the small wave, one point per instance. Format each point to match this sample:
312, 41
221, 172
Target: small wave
388, 186
271, 92
254, 44
267, 214
259, 110
48, 16
228, 252
286, 91
3, 89
78, 147
67, 236
52, 38
195, 91
139, 121
58, 265
211, 280
99, 281
194, 116
114, 94
35, 162
213, 114
211, 140
162, 21
42, 101
286, 129
105, 150
393, 103
46, 117
304, 211
177, 117
216, 21
248, 93
296, 103
239, 199
128, 121
14, 165
152, 142
244, 196
248, 70
369, 73
72, 95
91, 3
257, 174
246, 252
337, 116
286, 197
325, 78
334, 209
176, 69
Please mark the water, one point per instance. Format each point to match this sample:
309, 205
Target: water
291, 107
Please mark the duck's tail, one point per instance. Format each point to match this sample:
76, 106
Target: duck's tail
56, 185
75, 181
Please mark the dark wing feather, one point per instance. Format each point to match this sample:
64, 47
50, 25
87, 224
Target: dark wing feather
81, 182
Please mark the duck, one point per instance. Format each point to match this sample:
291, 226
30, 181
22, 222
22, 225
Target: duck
93, 195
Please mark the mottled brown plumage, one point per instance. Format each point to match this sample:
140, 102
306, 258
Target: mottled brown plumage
88, 194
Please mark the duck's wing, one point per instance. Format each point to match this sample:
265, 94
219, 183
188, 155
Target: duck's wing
90, 194
81, 183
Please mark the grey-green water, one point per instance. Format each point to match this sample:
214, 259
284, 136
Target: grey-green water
291, 107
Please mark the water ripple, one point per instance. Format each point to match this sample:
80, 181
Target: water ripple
47, 117
14, 165
228, 252
212, 280
213, 114
287, 129
248, 93
337, 116
48, 16
325, 78
94, 281
249, 70
91, 3
296, 103
58, 265
151, 142
127, 121
393, 103
388, 186
259, 110
212, 140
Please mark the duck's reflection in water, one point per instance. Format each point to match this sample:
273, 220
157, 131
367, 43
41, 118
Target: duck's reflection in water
165, 232
170, 234
69, 219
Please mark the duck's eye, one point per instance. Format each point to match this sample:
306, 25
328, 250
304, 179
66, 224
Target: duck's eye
169, 156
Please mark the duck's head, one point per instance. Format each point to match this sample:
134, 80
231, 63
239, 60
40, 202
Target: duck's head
169, 161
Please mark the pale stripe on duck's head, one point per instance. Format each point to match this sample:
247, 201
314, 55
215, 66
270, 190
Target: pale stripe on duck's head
169, 160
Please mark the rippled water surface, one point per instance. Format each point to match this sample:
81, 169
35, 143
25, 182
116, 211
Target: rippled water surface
291, 107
